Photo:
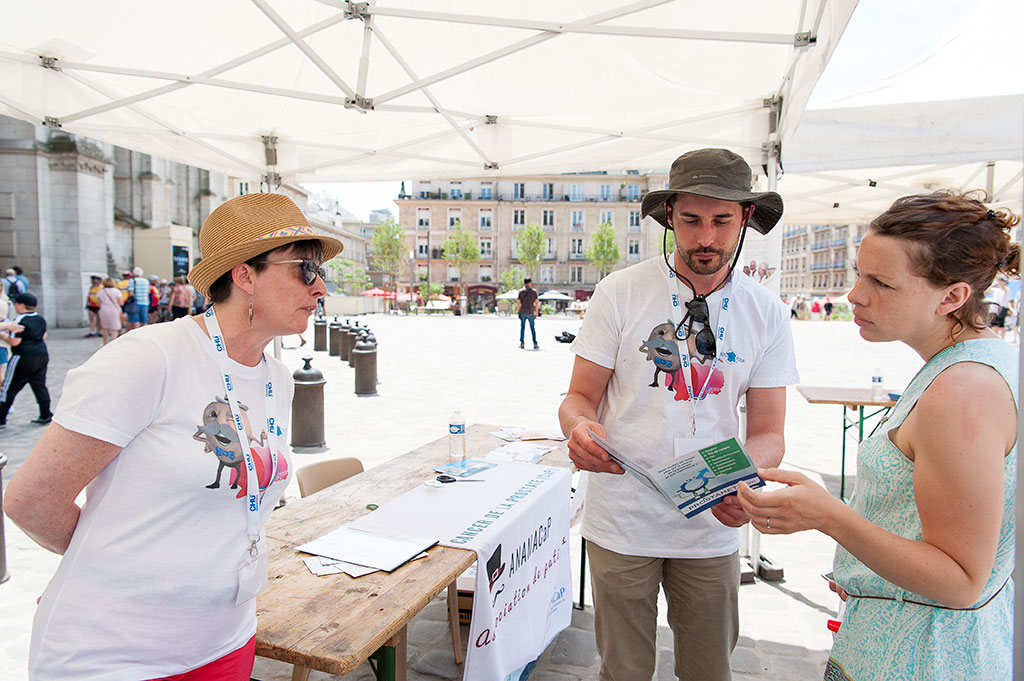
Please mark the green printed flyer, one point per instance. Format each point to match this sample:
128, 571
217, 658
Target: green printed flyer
697, 480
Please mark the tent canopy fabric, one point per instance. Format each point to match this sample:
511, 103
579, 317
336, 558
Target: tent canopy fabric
554, 295
328, 90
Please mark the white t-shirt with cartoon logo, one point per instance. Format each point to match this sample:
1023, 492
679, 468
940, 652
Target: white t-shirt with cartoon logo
629, 328
147, 586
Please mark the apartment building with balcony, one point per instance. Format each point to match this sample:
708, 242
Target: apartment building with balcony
568, 207
818, 260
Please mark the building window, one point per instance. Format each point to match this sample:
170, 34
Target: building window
243, 188
485, 249
486, 273
576, 274
633, 249
606, 192
518, 217
550, 255
576, 192
606, 216
577, 221
422, 248
548, 219
453, 273
423, 218
547, 191
486, 190
547, 274
424, 190
454, 217
633, 192
576, 249
634, 221
455, 191
518, 190
486, 218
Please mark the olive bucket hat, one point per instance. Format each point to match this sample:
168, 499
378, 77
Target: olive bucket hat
242, 228
716, 174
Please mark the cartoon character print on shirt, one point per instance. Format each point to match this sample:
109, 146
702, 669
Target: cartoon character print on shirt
221, 438
662, 348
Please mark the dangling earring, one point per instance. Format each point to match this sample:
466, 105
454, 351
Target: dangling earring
250, 309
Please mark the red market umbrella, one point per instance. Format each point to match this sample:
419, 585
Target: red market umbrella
376, 293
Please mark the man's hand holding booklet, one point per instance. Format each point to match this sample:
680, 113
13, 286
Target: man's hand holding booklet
697, 480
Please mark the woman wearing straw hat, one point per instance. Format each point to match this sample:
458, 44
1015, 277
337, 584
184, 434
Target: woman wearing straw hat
182, 466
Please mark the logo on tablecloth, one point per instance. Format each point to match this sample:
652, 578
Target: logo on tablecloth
495, 569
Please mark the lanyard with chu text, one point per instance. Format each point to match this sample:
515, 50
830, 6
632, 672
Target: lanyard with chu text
254, 496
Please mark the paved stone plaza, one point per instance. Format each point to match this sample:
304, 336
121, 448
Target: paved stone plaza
429, 366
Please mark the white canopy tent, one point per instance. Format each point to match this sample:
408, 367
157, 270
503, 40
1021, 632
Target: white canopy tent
954, 117
327, 90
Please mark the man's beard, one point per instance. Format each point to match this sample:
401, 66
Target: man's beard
706, 267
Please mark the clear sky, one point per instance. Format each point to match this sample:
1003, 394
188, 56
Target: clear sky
883, 36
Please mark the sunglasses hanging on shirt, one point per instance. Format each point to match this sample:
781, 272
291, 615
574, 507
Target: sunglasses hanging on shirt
697, 313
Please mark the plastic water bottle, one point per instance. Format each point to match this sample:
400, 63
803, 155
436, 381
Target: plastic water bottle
877, 390
457, 436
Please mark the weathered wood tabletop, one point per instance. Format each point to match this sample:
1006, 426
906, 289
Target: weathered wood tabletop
335, 622
850, 397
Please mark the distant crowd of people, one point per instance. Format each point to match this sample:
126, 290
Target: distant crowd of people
137, 300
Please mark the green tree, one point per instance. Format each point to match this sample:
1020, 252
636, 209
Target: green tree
388, 249
604, 252
461, 249
349, 277
531, 245
511, 279
431, 289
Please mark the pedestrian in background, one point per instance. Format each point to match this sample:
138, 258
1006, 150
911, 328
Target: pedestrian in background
110, 298
29, 360
926, 546
528, 308
182, 296
139, 314
92, 305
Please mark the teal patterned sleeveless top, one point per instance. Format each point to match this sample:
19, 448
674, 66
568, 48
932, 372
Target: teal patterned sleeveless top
893, 640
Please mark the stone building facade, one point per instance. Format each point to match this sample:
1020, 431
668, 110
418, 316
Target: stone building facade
71, 207
568, 207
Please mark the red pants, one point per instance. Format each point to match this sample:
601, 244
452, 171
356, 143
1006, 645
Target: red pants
235, 666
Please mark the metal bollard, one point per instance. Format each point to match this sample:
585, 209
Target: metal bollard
353, 336
364, 356
319, 334
334, 337
346, 340
308, 407
4, 575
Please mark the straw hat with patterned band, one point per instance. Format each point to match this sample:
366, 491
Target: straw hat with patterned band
242, 228
717, 174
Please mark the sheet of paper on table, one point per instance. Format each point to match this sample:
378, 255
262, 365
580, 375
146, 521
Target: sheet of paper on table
513, 434
320, 566
523, 452
367, 549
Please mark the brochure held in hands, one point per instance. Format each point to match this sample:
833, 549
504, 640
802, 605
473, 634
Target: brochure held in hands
697, 480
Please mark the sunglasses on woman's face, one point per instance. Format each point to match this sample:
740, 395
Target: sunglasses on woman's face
310, 269
697, 313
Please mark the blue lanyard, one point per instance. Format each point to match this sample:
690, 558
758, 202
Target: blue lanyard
254, 496
675, 294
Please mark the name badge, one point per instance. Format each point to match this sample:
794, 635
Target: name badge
252, 575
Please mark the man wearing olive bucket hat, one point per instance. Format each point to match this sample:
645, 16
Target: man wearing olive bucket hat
666, 351
183, 466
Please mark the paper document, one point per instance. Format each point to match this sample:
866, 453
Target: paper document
368, 549
523, 452
512, 434
320, 566
697, 480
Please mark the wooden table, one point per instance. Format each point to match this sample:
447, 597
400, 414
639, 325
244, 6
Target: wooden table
333, 623
854, 400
